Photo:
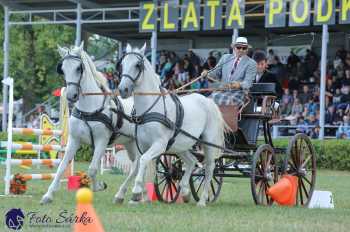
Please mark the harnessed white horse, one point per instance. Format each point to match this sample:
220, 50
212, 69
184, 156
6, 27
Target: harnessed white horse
94, 120
165, 122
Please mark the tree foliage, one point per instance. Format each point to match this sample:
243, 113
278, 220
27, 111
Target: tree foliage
33, 59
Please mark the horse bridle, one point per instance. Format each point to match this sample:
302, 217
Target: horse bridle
60, 71
140, 64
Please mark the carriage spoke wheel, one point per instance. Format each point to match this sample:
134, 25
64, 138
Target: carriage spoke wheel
197, 181
300, 161
167, 178
264, 174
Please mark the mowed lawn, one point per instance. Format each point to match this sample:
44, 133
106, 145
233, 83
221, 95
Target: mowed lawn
234, 210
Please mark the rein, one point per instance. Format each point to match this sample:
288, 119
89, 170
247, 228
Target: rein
206, 90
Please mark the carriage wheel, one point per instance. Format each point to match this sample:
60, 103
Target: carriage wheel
300, 161
264, 174
197, 182
167, 178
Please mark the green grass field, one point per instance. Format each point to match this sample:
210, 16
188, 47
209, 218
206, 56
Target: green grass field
234, 210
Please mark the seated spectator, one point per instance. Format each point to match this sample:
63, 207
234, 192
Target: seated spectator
278, 69
346, 82
173, 57
347, 61
312, 122
181, 76
339, 114
270, 56
330, 88
305, 96
193, 58
330, 115
305, 112
162, 60
311, 106
188, 67
166, 69
315, 132
344, 98
196, 84
301, 125
293, 83
110, 78
336, 97
210, 62
344, 129
297, 107
287, 102
292, 63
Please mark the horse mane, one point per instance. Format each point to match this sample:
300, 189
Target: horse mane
90, 67
148, 66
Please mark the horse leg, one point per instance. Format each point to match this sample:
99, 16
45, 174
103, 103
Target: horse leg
134, 156
154, 151
190, 162
209, 170
100, 148
71, 149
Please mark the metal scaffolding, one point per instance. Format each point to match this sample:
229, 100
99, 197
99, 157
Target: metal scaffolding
80, 16
77, 17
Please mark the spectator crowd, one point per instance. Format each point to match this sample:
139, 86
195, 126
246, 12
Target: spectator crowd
299, 78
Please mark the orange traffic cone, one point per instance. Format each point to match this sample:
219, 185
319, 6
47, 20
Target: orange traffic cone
284, 192
171, 190
87, 220
152, 196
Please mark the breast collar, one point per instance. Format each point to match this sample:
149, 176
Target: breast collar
148, 117
99, 116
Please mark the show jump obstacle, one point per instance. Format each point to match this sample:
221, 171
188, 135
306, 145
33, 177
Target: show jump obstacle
46, 134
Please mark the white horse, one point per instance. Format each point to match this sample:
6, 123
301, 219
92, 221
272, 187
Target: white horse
99, 114
201, 119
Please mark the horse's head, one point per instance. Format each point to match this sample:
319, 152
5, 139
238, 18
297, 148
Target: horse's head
72, 68
132, 65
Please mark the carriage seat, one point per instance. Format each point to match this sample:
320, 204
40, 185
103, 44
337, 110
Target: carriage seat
266, 91
263, 89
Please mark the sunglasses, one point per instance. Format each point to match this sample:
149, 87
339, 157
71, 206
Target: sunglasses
241, 48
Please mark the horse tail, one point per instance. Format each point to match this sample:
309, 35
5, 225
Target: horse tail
216, 116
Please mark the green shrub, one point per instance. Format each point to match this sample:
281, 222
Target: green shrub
84, 153
331, 154
18, 137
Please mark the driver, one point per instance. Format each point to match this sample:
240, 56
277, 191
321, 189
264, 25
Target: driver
237, 72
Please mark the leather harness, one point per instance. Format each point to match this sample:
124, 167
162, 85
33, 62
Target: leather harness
98, 115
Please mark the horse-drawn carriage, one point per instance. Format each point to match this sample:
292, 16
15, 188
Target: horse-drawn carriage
163, 122
245, 156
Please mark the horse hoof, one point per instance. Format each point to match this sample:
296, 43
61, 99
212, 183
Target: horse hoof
118, 201
132, 202
186, 198
201, 204
101, 186
136, 197
45, 200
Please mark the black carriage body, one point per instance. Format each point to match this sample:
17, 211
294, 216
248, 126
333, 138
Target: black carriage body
262, 163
